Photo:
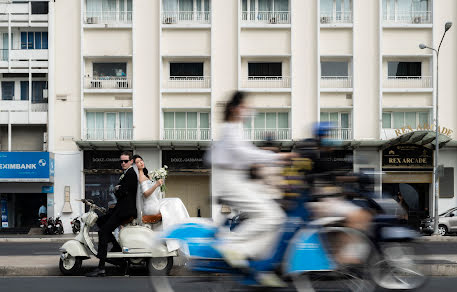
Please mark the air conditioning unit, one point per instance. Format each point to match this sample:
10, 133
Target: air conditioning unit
169, 20
417, 19
273, 20
89, 20
325, 19
45, 93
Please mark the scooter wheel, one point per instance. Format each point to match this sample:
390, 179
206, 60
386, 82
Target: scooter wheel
71, 266
160, 266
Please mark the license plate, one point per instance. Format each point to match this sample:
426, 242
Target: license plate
58, 225
49, 226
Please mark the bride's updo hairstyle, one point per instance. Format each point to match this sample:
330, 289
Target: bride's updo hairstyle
237, 99
145, 170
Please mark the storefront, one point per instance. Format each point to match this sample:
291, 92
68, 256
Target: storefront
26, 182
189, 180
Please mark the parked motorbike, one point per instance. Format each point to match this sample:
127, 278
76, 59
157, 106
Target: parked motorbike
75, 225
44, 225
305, 254
136, 240
58, 227
51, 226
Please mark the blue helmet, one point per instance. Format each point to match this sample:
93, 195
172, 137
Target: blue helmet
322, 129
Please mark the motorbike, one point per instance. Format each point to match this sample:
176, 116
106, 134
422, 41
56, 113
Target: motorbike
75, 225
304, 257
58, 227
135, 239
51, 226
44, 225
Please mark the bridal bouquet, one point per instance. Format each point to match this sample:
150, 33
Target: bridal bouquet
160, 173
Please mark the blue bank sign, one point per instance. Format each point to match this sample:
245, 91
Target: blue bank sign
26, 166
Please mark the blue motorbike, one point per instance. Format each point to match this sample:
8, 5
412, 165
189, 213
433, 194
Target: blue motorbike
304, 257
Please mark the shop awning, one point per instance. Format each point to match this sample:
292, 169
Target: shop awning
424, 138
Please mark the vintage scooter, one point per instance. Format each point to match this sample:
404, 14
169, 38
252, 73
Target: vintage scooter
136, 240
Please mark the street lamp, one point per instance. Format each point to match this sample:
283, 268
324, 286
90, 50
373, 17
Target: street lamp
447, 26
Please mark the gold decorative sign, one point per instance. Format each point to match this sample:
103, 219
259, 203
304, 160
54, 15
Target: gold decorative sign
407, 156
425, 127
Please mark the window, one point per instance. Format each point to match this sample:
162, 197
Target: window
34, 40
38, 91
334, 69
339, 11
340, 120
97, 6
266, 5
110, 69
267, 124
396, 120
186, 69
401, 6
40, 7
186, 5
403, 69
186, 126
265, 69
7, 90
109, 125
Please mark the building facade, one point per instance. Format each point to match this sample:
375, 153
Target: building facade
154, 76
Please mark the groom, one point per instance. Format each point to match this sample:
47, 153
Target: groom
124, 210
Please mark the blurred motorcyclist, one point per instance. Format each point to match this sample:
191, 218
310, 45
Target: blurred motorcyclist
231, 159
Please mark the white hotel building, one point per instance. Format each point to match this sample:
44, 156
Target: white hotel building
153, 76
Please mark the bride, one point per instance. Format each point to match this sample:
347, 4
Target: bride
172, 209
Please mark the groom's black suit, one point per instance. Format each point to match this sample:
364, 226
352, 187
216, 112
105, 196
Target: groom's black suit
125, 209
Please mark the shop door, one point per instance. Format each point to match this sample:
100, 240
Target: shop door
193, 191
26, 208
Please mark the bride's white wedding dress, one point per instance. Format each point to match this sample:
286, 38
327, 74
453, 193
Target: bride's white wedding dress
172, 209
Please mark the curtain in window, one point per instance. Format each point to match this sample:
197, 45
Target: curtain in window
399, 119
324, 117
386, 121
270, 120
334, 119
423, 119
168, 120
186, 5
410, 119
283, 120
24, 90
204, 121
265, 5
99, 125
93, 7
281, 5
180, 119
259, 121
109, 5
404, 5
110, 126
91, 125
7, 90
326, 6
170, 5
125, 125
344, 121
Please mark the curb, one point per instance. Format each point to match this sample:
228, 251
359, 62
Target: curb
35, 240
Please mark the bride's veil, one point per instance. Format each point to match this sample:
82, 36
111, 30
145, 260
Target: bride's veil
139, 196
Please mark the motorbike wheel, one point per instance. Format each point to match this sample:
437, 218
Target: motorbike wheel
76, 227
44, 231
60, 230
71, 266
160, 266
396, 268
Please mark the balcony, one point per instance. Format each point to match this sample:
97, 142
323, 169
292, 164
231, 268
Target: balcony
187, 134
344, 134
407, 82
264, 134
107, 134
186, 17
336, 18
336, 82
19, 60
279, 82
187, 82
20, 14
265, 17
22, 112
108, 17
408, 17
108, 84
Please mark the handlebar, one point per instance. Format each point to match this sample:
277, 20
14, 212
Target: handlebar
92, 205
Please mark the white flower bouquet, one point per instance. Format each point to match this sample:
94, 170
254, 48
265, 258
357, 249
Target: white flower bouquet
160, 173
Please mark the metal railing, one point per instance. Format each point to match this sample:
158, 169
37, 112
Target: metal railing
188, 82
408, 82
265, 17
263, 134
265, 82
336, 82
187, 134
186, 17
39, 106
107, 83
344, 134
336, 17
108, 17
108, 134
409, 17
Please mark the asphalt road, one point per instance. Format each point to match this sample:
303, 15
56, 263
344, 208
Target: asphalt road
142, 284
50, 248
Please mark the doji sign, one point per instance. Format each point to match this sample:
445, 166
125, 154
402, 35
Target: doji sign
425, 127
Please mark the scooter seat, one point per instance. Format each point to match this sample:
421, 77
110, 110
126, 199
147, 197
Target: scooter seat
128, 221
152, 219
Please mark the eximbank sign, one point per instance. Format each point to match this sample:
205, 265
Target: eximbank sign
26, 166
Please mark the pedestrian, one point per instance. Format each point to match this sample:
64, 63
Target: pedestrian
42, 212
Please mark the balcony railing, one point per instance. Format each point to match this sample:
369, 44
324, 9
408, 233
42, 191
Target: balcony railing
336, 17
409, 17
39, 106
265, 82
344, 134
188, 82
265, 17
186, 17
108, 17
108, 83
187, 134
108, 134
264, 134
408, 82
336, 82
